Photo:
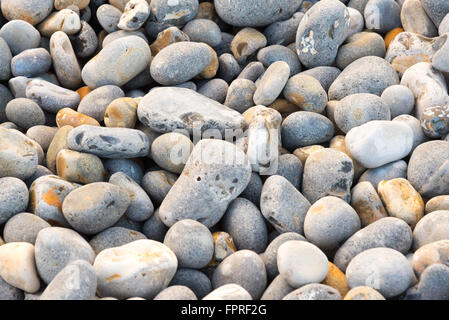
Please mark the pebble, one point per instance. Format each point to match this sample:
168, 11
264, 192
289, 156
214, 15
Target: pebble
269, 257
95, 103
17, 266
159, 111
51, 97
386, 232
33, 11
9, 292
79, 167
191, 242
360, 45
435, 221
23, 227
376, 143
95, 207
193, 279
229, 292
154, 228
427, 168
415, 19
228, 68
158, 183
203, 30
366, 202
215, 89
314, 291
304, 128
283, 205
179, 62
252, 71
174, 13
31, 62
324, 74
401, 200
377, 267
327, 172
435, 121
252, 13
121, 113
437, 203
65, 61
20, 36
356, 109
365, 75
283, 32
274, 53
246, 42
277, 289
47, 194
357, 21
117, 63
382, 15
330, 213
399, 99
114, 237
142, 268
239, 95
135, 14
108, 16
66, 20
306, 92
363, 293
176, 293
244, 268
77, 281
245, 223
109, 142
56, 247
18, 157
25, 113
166, 38
301, 263
436, 10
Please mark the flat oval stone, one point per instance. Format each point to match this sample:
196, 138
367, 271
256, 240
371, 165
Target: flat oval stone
252, 13
428, 168
109, 142
61, 287
117, 63
180, 62
25, 113
214, 183
322, 30
20, 35
383, 269
95, 207
415, 19
306, 92
142, 268
271, 83
33, 11
330, 213
365, 75
79, 167
437, 203
327, 172
301, 263
376, 143
108, 16
51, 97
56, 248
18, 156
31, 62
85, 42
203, 30
17, 266
66, 20
305, 128
401, 200
171, 150
160, 111
246, 42
283, 205
387, 232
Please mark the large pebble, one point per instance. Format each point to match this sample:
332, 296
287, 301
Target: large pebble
244, 268
306, 92
383, 269
328, 172
301, 263
432, 227
51, 97
17, 266
95, 207
66, 20
159, 110
376, 143
382, 15
23, 227
25, 113
117, 63
32, 11
135, 14
272, 83
13, 197
56, 248
142, 268
387, 232
31, 62
65, 61
329, 222
321, 31
216, 173
109, 142
252, 13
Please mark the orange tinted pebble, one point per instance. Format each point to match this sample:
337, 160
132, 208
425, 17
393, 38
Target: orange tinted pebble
391, 35
336, 279
73, 118
83, 91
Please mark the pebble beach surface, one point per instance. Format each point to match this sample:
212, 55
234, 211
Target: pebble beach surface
224, 150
